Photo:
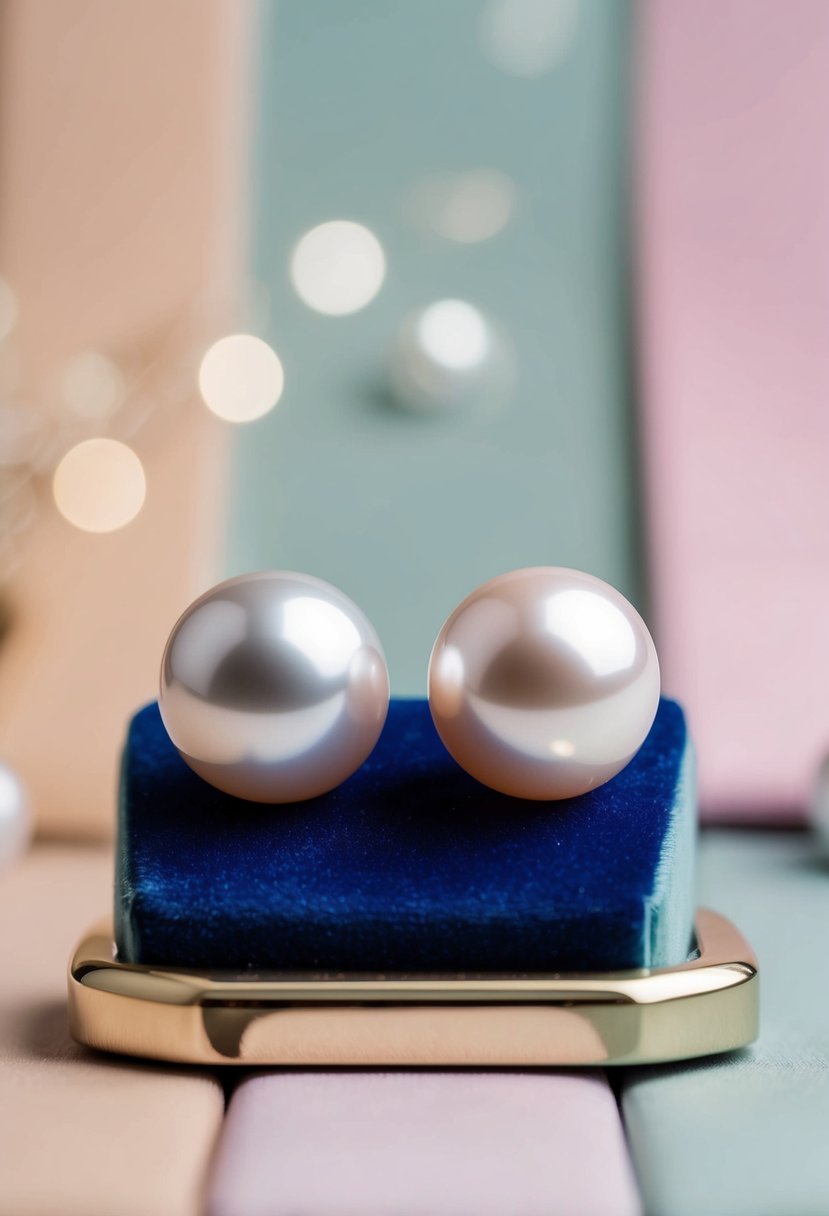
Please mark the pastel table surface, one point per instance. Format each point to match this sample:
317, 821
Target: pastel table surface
409, 865
745, 1135
89, 1135
733, 276
82, 1134
412, 1144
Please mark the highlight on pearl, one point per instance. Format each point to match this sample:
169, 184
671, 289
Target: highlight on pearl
544, 683
274, 686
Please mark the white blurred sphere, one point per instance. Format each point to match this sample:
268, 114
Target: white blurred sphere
15, 816
448, 355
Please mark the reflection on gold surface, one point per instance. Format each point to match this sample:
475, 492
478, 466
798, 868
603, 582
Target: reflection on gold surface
706, 1005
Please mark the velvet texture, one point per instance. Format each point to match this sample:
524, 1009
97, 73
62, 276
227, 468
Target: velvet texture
409, 865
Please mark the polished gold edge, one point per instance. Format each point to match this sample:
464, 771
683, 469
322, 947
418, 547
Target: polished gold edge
707, 1004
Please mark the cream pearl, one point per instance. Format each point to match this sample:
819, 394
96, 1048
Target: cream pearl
544, 683
274, 687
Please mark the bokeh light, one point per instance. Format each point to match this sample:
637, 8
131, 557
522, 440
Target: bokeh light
8, 309
528, 37
465, 207
21, 434
93, 385
338, 268
241, 378
99, 485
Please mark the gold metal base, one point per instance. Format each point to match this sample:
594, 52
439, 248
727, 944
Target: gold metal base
708, 1004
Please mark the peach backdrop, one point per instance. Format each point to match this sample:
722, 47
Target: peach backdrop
122, 146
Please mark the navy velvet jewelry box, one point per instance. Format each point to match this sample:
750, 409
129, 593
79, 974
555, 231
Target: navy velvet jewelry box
409, 865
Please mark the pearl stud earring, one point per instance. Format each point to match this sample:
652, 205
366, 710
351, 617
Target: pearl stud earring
544, 683
274, 687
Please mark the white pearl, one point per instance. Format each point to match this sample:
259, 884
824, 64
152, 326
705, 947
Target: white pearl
274, 687
544, 683
449, 355
16, 822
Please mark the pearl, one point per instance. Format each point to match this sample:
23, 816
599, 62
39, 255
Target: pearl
15, 816
274, 687
447, 356
544, 683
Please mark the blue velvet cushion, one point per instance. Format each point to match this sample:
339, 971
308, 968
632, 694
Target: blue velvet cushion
409, 865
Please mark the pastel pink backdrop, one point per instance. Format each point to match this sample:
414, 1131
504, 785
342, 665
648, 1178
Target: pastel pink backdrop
733, 264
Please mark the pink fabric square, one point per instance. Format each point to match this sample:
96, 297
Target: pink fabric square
423, 1144
733, 225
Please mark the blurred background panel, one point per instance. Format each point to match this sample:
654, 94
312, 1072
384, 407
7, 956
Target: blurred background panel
733, 285
122, 161
347, 287
456, 392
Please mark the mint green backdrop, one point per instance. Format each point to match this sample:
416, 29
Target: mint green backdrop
359, 101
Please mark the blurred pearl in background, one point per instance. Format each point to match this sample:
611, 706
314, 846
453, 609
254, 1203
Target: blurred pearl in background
16, 824
447, 355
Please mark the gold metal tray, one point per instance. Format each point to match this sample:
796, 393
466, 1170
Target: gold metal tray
708, 1004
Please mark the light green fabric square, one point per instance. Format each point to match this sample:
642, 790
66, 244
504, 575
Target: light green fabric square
747, 1134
